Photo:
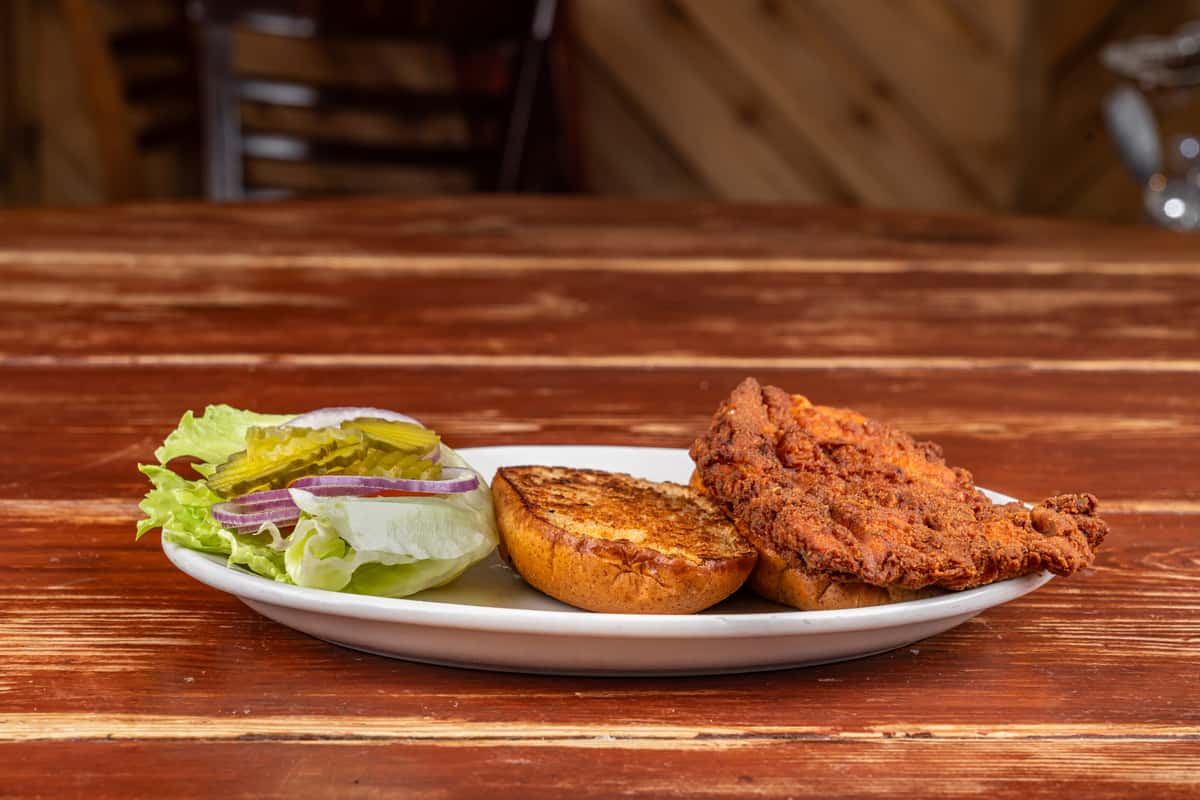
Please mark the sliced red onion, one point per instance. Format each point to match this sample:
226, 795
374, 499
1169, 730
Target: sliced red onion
336, 415
243, 519
248, 512
458, 480
266, 497
263, 500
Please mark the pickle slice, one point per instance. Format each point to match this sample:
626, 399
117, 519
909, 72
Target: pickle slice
279, 443
390, 435
276, 456
394, 464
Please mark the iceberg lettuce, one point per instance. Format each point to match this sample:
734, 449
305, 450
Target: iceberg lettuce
389, 546
183, 509
215, 435
381, 546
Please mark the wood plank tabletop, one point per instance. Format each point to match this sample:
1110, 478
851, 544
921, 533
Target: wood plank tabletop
1045, 357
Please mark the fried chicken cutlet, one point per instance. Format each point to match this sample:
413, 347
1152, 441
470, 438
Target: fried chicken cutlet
831, 495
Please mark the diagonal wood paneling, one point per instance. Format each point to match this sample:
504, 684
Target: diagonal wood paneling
919, 103
814, 101
716, 118
842, 107
952, 83
632, 157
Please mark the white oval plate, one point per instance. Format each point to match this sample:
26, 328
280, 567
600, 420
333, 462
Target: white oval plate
490, 619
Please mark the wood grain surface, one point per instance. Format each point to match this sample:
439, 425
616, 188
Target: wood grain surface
1044, 357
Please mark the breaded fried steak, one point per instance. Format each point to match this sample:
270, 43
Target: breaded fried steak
832, 499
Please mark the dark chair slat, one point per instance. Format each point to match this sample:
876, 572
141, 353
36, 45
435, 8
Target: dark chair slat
460, 22
184, 132
170, 86
302, 95
285, 147
157, 41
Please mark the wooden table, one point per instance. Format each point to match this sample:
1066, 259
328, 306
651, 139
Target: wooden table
1045, 357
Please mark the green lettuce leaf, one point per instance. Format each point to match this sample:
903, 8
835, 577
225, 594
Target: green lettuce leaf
215, 435
182, 506
401, 580
183, 509
388, 546
256, 554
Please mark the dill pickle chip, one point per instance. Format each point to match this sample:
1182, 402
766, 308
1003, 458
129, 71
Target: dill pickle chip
391, 435
393, 464
276, 456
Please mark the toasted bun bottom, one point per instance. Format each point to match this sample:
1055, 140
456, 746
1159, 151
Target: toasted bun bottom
608, 576
776, 579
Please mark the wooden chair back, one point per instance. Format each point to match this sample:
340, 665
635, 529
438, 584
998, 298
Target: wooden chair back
453, 114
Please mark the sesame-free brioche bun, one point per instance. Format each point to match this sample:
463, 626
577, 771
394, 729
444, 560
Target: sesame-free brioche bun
614, 543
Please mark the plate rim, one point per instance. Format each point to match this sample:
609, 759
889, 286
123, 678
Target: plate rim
209, 570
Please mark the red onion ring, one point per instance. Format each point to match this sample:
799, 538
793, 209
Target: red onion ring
336, 415
248, 512
270, 497
243, 519
459, 480
264, 498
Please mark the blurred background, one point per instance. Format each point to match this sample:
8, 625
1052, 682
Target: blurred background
981, 105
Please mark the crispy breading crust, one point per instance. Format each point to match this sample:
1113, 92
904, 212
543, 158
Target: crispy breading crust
835, 493
778, 580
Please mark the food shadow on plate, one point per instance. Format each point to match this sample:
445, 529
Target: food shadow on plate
492, 583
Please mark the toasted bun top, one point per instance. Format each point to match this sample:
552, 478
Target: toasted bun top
665, 517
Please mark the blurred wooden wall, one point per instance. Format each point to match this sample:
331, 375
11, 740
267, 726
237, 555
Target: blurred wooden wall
51, 150
955, 104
